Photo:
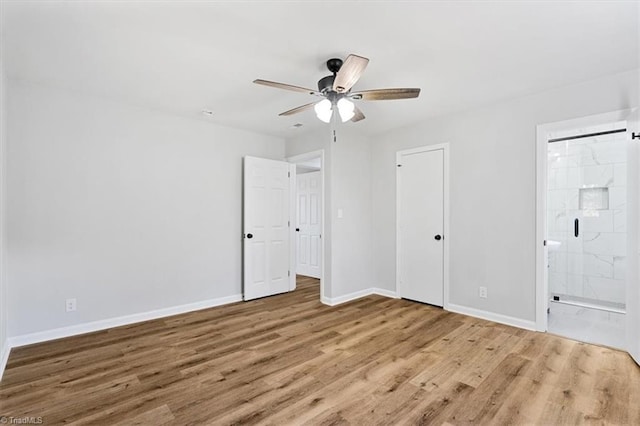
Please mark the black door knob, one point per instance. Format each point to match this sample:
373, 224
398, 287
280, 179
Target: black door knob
249, 235
297, 229
438, 237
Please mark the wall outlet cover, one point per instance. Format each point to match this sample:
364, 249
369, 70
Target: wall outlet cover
70, 305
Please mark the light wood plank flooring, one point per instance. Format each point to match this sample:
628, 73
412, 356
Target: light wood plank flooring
289, 359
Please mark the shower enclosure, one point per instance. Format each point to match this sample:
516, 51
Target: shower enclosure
587, 232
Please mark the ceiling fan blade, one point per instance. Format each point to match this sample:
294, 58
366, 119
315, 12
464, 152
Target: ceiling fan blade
298, 109
349, 73
284, 86
386, 94
358, 115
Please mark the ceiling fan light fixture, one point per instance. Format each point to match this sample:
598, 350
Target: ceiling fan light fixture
346, 109
323, 110
337, 94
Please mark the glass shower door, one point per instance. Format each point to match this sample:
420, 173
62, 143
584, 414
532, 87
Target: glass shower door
586, 218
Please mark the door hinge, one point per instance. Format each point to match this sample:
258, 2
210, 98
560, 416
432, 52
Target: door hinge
288, 273
288, 174
635, 135
288, 223
544, 243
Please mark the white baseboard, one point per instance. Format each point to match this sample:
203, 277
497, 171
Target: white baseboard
58, 333
6, 349
385, 293
491, 316
357, 295
346, 298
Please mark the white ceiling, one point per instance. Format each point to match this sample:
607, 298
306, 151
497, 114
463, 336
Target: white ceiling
183, 57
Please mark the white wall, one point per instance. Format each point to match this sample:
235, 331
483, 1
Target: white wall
351, 193
347, 169
126, 209
492, 190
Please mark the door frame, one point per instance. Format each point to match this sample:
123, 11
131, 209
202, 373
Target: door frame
542, 132
445, 260
323, 237
299, 227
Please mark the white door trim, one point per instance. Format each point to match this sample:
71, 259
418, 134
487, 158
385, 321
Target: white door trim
542, 132
445, 149
296, 159
292, 231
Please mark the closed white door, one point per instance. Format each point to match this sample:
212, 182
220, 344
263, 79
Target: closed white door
632, 316
420, 210
267, 236
308, 224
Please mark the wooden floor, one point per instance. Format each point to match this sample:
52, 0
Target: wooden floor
289, 359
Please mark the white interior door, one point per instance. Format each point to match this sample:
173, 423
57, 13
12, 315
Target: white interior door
309, 226
633, 237
420, 215
266, 230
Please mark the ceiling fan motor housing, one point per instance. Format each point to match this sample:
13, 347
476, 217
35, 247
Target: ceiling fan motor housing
325, 84
334, 65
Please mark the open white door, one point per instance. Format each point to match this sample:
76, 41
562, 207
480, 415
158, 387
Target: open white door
633, 236
308, 224
266, 232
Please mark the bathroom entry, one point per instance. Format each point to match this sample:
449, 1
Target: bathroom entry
587, 233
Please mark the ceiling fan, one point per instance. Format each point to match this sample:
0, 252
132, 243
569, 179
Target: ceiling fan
335, 91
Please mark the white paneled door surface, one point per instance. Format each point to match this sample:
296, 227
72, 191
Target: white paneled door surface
420, 216
266, 230
308, 225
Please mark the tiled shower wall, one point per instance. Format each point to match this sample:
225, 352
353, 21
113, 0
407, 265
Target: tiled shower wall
592, 266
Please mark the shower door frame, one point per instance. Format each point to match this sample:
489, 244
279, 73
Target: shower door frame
542, 136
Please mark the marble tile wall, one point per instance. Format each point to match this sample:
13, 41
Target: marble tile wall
591, 266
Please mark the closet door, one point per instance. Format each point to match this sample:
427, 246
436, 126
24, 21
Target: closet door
309, 226
420, 230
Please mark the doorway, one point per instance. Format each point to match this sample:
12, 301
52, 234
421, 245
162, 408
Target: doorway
308, 214
309, 223
586, 208
422, 224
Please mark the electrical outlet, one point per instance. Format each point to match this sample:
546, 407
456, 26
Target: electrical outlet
71, 305
482, 292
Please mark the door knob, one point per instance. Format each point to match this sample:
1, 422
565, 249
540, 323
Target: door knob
249, 235
297, 229
438, 237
